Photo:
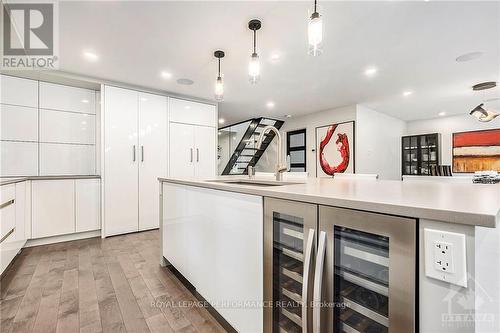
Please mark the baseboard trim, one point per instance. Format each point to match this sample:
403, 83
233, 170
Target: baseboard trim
62, 238
217, 316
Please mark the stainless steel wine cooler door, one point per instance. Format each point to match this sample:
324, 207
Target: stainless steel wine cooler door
289, 248
366, 263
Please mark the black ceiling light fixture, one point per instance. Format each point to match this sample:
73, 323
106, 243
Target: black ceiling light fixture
480, 112
254, 65
315, 32
219, 84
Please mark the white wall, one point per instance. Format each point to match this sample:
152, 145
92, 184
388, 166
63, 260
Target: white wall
310, 121
378, 143
446, 126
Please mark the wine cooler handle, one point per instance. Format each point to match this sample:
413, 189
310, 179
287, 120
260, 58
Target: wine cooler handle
305, 284
191, 155
318, 281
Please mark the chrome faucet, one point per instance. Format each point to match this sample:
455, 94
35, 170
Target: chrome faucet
280, 167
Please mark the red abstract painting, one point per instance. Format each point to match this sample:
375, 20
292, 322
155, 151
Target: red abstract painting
476, 151
335, 145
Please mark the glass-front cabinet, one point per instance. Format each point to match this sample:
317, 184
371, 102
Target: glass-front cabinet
337, 270
420, 154
366, 263
289, 238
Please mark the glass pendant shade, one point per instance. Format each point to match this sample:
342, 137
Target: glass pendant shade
254, 68
219, 89
315, 34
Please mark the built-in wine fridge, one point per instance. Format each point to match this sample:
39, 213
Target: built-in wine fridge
338, 270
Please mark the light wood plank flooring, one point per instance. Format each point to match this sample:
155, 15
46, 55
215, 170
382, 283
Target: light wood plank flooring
95, 285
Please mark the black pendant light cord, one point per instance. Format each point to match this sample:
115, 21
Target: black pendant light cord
315, 4
219, 68
254, 40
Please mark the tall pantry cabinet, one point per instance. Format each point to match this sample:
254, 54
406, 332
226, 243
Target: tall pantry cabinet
135, 154
145, 135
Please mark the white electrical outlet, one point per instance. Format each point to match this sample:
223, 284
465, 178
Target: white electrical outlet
445, 256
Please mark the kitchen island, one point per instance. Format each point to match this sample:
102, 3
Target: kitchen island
231, 240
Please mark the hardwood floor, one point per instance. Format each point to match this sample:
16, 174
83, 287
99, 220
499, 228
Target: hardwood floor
98, 285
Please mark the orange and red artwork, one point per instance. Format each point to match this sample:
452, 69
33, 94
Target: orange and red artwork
335, 149
476, 151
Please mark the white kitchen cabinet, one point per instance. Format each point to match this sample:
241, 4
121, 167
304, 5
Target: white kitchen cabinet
181, 150
18, 158
18, 91
120, 161
18, 123
192, 151
152, 156
66, 98
21, 212
205, 152
87, 204
53, 207
195, 113
67, 127
66, 159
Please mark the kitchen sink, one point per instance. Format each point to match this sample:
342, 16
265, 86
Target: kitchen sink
253, 182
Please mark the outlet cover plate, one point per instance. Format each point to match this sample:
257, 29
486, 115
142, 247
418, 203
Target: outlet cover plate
445, 257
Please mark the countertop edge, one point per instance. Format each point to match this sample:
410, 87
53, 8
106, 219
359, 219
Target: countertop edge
6, 181
473, 219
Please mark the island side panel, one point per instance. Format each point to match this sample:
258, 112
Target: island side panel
215, 240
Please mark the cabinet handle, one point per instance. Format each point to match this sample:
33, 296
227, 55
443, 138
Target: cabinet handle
191, 149
305, 284
142, 153
7, 203
197, 155
133, 153
7, 235
318, 282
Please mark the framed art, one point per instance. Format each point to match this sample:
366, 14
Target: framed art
476, 151
335, 149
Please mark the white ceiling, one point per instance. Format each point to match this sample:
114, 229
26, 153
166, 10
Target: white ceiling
413, 44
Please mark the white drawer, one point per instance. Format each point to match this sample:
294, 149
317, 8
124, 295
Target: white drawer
17, 91
7, 209
65, 98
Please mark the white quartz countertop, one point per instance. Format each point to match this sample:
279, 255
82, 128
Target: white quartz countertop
464, 203
12, 180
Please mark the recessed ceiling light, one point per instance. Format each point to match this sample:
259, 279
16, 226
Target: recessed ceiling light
184, 81
270, 104
91, 56
371, 71
85, 101
469, 56
222, 120
187, 107
166, 75
288, 116
275, 56
442, 113
407, 93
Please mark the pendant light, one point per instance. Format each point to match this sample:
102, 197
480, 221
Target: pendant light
315, 32
254, 65
219, 84
480, 112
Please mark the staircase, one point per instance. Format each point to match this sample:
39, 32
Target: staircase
246, 153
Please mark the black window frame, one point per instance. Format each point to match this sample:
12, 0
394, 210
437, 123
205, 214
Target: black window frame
297, 148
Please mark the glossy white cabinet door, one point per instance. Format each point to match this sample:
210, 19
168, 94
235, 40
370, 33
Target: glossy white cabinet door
121, 158
87, 204
18, 123
66, 159
66, 98
188, 112
17, 91
182, 152
205, 152
18, 158
152, 156
53, 203
222, 256
67, 127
